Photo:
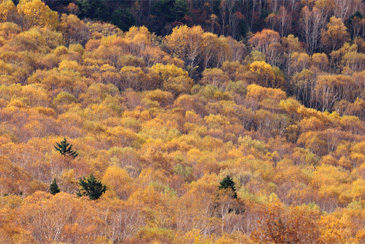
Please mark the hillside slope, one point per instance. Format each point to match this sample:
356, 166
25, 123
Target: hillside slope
162, 122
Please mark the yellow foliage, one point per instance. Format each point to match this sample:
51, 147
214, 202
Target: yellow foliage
118, 180
169, 71
336, 34
70, 65
7, 10
259, 93
123, 100
265, 75
73, 29
36, 13
215, 77
185, 43
174, 79
334, 230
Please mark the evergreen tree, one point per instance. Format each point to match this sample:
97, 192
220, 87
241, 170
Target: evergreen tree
123, 18
91, 187
228, 184
53, 188
65, 149
94, 9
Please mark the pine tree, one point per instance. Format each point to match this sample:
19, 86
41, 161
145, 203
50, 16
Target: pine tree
228, 184
53, 188
91, 187
65, 149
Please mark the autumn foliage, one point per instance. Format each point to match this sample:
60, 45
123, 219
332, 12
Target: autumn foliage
223, 122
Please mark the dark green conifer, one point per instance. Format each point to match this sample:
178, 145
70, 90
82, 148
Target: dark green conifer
91, 187
53, 188
65, 149
228, 184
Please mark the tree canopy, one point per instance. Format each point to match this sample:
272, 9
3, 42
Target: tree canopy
91, 187
219, 122
65, 149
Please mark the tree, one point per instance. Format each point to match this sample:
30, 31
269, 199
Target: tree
35, 12
93, 9
56, 5
60, 218
173, 78
262, 40
320, 61
264, 74
284, 21
209, 47
280, 21
118, 180
74, 30
135, 78
228, 184
215, 77
343, 8
279, 224
185, 43
91, 187
53, 188
65, 149
330, 89
227, 206
310, 25
164, 11
302, 86
335, 36
7, 10
123, 18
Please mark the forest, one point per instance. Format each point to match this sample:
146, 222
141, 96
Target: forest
182, 121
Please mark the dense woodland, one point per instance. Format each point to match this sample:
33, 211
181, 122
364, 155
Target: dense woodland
202, 121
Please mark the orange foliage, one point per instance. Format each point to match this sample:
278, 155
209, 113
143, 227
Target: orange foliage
160, 121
